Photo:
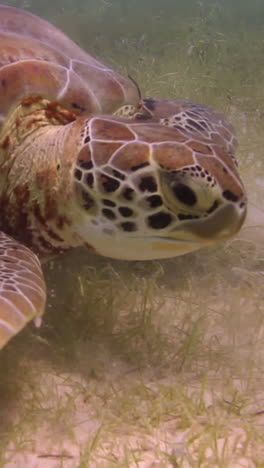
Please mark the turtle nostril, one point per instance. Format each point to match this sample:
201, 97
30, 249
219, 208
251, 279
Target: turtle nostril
184, 194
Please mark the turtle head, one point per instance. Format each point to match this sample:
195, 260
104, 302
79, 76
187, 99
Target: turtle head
146, 190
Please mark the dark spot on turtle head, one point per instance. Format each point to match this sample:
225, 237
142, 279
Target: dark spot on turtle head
139, 166
204, 124
4, 83
87, 139
194, 124
154, 201
188, 127
86, 164
230, 195
109, 184
128, 226
128, 193
88, 201
89, 179
125, 211
192, 114
148, 184
118, 174
184, 194
107, 202
109, 214
159, 220
78, 174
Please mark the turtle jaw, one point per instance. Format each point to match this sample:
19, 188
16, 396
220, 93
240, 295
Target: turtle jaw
144, 248
190, 235
222, 225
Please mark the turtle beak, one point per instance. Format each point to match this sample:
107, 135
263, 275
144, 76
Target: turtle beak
221, 225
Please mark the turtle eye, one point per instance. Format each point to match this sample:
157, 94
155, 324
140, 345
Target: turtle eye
184, 194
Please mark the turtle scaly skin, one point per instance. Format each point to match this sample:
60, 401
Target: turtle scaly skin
85, 161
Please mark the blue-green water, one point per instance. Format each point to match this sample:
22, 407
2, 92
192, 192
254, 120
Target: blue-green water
133, 339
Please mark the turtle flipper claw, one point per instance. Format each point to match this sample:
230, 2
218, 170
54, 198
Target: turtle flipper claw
22, 287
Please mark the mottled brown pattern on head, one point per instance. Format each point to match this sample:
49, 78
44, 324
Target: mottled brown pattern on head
131, 155
225, 133
225, 179
163, 107
222, 154
199, 147
102, 151
154, 133
218, 140
172, 155
102, 129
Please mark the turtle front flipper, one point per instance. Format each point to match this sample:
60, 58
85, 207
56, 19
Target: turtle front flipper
22, 287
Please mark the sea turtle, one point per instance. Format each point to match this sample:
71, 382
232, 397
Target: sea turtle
84, 160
